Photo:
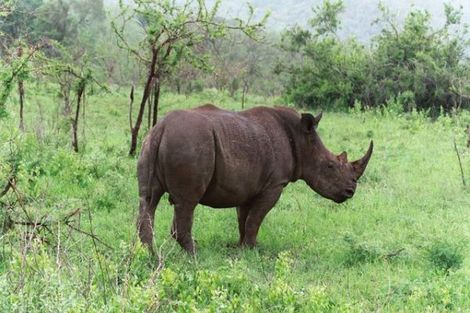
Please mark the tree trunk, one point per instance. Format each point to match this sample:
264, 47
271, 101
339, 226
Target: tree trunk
65, 90
149, 110
21, 92
80, 92
131, 96
147, 90
156, 100
245, 90
178, 86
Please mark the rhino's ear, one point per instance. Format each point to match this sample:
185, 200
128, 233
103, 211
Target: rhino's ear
310, 122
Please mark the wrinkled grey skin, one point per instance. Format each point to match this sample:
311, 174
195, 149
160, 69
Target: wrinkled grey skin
242, 159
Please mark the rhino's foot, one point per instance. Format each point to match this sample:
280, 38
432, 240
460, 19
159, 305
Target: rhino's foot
247, 244
151, 249
233, 245
188, 245
190, 249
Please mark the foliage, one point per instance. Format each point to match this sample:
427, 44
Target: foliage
59, 20
67, 22
445, 255
422, 67
239, 64
430, 63
170, 31
37, 29
360, 252
328, 71
19, 68
17, 21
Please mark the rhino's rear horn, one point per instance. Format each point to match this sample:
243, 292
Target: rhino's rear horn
361, 164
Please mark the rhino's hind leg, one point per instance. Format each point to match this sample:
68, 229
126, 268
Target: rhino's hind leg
182, 225
147, 207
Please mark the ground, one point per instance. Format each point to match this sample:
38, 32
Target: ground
399, 245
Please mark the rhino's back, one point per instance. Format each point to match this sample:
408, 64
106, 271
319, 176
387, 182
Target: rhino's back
222, 155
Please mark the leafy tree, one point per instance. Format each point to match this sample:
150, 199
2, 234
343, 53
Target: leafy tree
15, 30
168, 33
428, 64
65, 21
327, 70
416, 65
72, 76
238, 62
17, 70
17, 22
32, 27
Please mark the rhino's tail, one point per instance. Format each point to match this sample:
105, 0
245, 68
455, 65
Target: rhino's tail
150, 189
153, 182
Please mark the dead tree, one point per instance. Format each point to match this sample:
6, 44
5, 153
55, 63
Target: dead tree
156, 100
80, 97
467, 131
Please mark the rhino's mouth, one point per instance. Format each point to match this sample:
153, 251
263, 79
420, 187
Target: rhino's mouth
341, 200
348, 194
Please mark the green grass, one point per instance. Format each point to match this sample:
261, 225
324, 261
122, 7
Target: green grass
399, 245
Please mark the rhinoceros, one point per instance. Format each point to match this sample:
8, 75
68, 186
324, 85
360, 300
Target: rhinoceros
223, 159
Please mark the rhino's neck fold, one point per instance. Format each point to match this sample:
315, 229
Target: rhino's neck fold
295, 150
297, 173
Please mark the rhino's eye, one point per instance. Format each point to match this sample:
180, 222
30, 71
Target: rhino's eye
330, 165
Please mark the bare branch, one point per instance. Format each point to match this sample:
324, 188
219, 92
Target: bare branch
131, 96
460, 163
8, 185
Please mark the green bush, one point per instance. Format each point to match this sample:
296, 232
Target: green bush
420, 67
360, 252
445, 256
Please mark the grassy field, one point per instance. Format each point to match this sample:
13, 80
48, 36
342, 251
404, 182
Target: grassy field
400, 245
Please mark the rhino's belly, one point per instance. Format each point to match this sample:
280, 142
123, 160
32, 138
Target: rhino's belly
218, 197
223, 194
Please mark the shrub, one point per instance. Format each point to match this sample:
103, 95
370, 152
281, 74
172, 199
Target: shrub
360, 252
415, 65
445, 255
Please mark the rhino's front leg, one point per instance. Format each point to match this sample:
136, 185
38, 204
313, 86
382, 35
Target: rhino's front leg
258, 208
242, 214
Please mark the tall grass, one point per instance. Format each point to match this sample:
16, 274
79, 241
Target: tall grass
399, 245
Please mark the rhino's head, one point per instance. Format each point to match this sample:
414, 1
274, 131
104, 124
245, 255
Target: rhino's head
332, 176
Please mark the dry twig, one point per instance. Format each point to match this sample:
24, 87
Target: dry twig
460, 163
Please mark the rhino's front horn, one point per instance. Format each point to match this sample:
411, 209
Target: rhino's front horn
361, 164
